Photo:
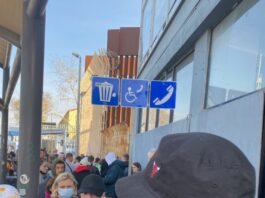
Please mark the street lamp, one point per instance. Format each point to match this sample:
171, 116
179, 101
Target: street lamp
78, 105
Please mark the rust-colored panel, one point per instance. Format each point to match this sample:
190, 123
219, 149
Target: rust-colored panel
114, 41
127, 67
123, 114
128, 116
118, 114
124, 41
123, 67
113, 116
134, 66
129, 41
109, 117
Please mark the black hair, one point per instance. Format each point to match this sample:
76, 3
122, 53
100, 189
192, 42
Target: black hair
138, 165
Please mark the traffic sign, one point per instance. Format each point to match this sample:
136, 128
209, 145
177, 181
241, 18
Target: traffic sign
134, 93
105, 91
163, 94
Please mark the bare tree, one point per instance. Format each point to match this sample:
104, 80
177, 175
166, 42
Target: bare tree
65, 79
47, 106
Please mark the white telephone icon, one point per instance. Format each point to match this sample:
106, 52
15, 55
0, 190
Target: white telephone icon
170, 90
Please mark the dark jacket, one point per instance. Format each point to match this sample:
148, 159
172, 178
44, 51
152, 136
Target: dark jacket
80, 173
114, 172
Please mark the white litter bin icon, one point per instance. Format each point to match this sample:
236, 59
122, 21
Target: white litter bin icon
105, 91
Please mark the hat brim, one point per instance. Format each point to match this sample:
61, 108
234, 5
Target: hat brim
134, 186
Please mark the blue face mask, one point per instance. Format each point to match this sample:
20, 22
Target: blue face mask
66, 192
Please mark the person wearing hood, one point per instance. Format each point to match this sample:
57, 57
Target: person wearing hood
81, 171
58, 167
115, 171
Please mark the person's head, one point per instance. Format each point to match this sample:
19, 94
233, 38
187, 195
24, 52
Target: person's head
125, 157
110, 158
61, 156
42, 154
97, 160
90, 159
44, 167
84, 162
69, 157
136, 167
8, 191
192, 164
92, 186
104, 167
58, 167
64, 186
77, 159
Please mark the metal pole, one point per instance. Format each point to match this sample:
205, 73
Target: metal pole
4, 134
32, 60
78, 110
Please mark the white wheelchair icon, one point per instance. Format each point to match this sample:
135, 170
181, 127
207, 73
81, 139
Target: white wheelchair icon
130, 96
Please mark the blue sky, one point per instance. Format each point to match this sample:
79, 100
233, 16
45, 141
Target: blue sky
81, 26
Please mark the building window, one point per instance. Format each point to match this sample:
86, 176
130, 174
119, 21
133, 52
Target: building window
161, 11
155, 16
237, 54
183, 77
146, 31
152, 119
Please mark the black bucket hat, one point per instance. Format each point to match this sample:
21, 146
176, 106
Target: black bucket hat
92, 184
192, 165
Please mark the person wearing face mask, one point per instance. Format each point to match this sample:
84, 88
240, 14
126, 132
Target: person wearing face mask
64, 186
44, 167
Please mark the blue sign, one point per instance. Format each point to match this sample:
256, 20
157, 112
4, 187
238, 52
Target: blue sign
105, 91
163, 94
134, 93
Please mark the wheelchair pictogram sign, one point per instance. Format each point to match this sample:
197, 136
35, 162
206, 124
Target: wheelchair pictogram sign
134, 93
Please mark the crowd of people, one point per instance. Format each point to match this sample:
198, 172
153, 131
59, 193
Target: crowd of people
62, 175
197, 165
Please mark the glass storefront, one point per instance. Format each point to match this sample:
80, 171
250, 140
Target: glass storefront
183, 76
237, 54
